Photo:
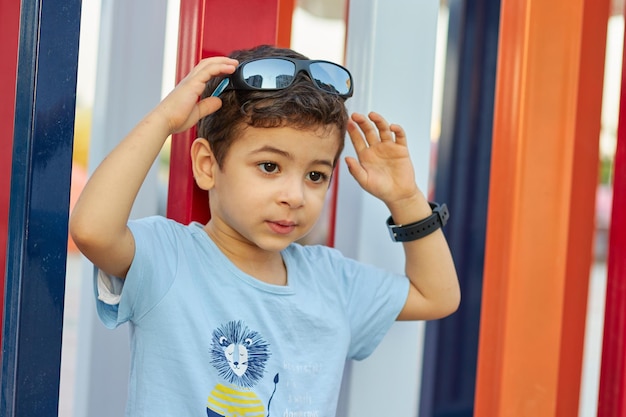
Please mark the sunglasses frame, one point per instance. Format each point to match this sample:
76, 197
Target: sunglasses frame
235, 81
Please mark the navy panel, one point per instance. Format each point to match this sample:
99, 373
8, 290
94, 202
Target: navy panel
462, 181
39, 204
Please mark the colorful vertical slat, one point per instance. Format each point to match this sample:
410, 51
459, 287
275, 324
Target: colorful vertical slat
39, 205
540, 220
612, 395
462, 181
9, 30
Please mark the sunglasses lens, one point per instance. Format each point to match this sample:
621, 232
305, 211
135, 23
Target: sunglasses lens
269, 73
331, 77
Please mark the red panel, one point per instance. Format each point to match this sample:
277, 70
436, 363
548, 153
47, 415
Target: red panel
182, 189
230, 25
9, 31
209, 28
612, 397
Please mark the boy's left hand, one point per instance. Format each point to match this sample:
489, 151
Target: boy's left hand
384, 168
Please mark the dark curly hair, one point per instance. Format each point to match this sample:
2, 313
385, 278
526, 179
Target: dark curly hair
301, 106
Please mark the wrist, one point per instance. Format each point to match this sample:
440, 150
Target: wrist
409, 209
400, 232
158, 117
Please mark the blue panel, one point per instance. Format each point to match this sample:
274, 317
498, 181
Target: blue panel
462, 181
39, 203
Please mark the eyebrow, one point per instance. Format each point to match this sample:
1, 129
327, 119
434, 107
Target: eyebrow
286, 154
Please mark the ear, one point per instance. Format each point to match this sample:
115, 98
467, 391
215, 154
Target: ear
203, 163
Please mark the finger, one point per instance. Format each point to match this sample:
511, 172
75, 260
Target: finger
356, 170
207, 106
216, 62
383, 127
399, 133
213, 67
202, 109
356, 137
220, 69
369, 130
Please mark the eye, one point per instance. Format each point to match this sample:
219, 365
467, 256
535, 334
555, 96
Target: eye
268, 167
317, 177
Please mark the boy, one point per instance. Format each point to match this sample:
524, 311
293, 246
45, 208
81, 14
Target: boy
233, 318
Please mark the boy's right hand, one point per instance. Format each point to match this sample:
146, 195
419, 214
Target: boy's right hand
181, 108
99, 220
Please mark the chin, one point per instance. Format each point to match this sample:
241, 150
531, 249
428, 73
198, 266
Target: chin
276, 244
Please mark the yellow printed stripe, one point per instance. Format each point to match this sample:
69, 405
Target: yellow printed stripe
237, 412
232, 391
227, 401
227, 392
234, 399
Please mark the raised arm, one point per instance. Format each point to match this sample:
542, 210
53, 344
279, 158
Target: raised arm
384, 169
98, 223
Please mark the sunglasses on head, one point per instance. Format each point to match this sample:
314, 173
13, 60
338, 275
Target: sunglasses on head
277, 73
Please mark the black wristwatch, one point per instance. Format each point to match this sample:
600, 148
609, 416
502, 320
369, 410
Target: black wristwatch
421, 228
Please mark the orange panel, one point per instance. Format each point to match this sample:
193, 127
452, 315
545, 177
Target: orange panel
285, 19
583, 189
540, 221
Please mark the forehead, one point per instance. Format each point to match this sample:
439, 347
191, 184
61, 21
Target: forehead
324, 141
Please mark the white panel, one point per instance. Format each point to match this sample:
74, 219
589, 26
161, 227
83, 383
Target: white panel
128, 86
391, 54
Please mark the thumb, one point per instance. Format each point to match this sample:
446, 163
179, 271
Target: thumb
207, 106
201, 109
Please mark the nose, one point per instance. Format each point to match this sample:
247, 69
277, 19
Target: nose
292, 192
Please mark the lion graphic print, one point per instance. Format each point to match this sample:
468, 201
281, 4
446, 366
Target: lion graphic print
239, 355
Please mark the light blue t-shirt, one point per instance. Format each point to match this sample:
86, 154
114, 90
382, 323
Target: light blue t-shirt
210, 340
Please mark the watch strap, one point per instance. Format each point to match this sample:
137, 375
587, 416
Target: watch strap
421, 228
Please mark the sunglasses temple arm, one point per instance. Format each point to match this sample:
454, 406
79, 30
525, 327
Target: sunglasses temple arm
220, 87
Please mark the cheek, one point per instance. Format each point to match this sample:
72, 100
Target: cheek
316, 199
238, 189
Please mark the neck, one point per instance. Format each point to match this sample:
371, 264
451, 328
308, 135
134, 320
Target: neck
263, 265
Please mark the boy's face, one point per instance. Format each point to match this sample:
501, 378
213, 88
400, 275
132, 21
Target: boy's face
272, 185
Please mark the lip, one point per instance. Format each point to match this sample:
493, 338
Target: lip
281, 227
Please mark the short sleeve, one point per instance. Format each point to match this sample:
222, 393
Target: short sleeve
373, 298
150, 275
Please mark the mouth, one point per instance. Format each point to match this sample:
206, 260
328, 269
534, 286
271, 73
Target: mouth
281, 227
